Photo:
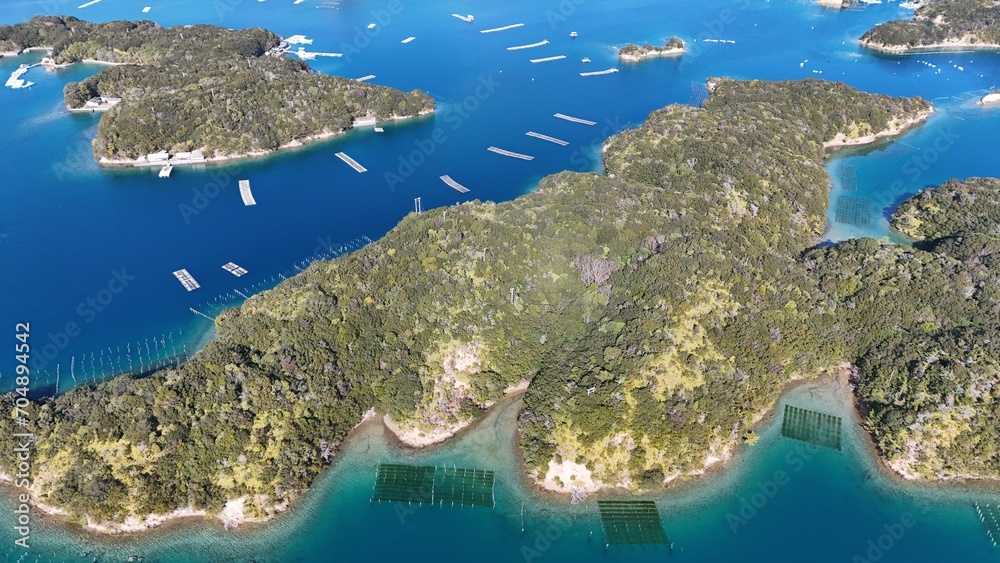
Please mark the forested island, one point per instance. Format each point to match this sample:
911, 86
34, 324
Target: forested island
657, 312
635, 53
229, 93
940, 24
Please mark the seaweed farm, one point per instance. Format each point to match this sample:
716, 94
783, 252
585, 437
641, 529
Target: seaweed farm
854, 210
433, 485
631, 522
811, 426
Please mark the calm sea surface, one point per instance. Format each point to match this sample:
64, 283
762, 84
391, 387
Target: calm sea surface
94, 249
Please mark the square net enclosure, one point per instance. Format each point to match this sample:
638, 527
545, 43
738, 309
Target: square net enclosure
631, 522
464, 487
855, 211
811, 426
404, 483
424, 484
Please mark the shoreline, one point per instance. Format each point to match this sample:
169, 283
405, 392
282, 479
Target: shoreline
946, 46
654, 53
226, 158
840, 141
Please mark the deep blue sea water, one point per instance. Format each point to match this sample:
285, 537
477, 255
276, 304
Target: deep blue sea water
94, 249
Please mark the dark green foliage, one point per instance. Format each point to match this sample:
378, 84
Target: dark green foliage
657, 311
204, 87
940, 22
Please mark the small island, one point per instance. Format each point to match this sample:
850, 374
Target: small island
990, 99
940, 24
221, 94
634, 53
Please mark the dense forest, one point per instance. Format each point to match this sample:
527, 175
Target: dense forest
203, 87
940, 22
657, 310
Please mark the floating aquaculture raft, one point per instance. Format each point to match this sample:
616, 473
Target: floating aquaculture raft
811, 426
631, 522
444, 486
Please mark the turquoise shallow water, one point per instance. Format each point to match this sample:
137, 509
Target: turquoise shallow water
67, 229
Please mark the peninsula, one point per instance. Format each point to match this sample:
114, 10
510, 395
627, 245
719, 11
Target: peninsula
656, 313
202, 89
940, 24
635, 53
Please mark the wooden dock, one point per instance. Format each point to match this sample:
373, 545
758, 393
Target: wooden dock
351, 162
599, 72
510, 154
547, 59
453, 184
575, 119
559, 142
246, 194
186, 280
233, 269
504, 28
531, 46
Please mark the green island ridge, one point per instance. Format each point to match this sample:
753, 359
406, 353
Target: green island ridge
940, 24
635, 53
654, 315
228, 93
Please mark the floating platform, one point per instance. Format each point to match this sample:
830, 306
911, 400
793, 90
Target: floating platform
434, 485
547, 59
631, 522
371, 25
559, 142
364, 78
166, 170
145, 10
186, 280
575, 119
467, 19
233, 269
504, 28
379, 130
404, 483
453, 184
530, 46
88, 4
813, 427
463, 487
246, 194
408, 39
351, 162
510, 154
600, 72
852, 210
